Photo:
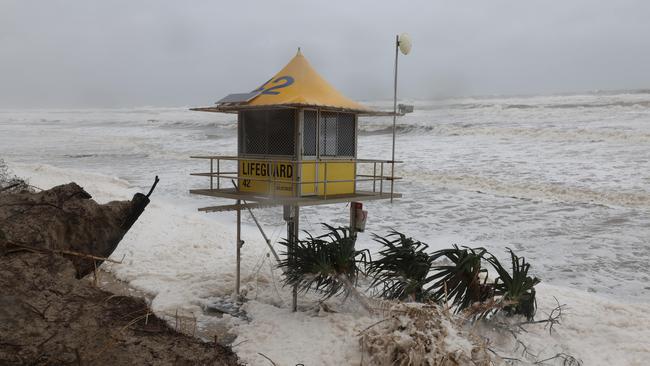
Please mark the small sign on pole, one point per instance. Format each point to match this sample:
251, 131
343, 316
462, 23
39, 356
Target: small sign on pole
358, 217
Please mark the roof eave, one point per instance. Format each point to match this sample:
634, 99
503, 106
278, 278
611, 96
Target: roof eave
237, 108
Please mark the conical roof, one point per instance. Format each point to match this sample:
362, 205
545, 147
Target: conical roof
298, 84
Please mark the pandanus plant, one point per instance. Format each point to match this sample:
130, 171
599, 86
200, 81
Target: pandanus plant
516, 287
402, 270
462, 281
453, 276
328, 264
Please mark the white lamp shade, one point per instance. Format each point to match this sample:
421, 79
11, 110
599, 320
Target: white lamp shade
405, 43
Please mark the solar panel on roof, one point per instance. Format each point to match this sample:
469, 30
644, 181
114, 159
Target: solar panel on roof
238, 97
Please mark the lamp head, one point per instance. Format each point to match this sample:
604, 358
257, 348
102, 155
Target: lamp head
404, 43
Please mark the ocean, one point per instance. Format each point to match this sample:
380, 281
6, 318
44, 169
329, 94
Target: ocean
560, 179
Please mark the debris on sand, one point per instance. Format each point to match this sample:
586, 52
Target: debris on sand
416, 334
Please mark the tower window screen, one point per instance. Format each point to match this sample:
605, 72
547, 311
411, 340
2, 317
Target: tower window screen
337, 134
346, 131
328, 135
309, 133
269, 132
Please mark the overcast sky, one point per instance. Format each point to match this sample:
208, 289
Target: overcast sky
177, 53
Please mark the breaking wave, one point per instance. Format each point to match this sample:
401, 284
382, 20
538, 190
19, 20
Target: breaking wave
550, 134
197, 124
503, 105
371, 130
532, 191
642, 103
108, 156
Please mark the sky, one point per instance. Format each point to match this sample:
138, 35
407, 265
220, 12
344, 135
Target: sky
88, 53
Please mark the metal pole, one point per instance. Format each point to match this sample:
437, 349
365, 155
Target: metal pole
353, 219
296, 231
381, 180
211, 174
266, 238
291, 215
392, 180
325, 181
374, 177
238, 247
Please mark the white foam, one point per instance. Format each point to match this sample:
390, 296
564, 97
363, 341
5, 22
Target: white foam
103, 188
595, 330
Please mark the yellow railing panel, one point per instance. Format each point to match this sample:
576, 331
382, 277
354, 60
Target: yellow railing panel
330, 172
274, 178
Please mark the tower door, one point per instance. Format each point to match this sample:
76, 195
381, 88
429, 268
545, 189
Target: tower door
309, 171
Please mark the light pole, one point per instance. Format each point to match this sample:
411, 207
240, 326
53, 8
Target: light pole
403, 44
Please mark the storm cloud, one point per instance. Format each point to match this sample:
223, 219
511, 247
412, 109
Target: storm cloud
173, 53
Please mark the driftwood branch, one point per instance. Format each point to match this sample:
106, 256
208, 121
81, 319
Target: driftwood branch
270, 360
10, 186
155, 182
65, 252
514, 329
375, 324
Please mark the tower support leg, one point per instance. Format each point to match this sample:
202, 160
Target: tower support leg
292, 216
238, 274
353, 219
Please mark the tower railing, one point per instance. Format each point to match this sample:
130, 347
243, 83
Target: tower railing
368, 178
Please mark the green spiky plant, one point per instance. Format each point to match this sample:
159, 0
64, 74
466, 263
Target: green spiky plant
328, 263
460, 281
516, 286
402, 270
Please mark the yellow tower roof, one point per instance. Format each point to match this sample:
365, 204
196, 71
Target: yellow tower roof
296, 85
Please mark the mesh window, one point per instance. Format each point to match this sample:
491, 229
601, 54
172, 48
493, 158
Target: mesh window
281, 138
309, 134
345, 134
240, 132
337, 134
267, 132
254, 136
328, 140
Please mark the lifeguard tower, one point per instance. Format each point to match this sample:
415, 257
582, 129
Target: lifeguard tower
297, 146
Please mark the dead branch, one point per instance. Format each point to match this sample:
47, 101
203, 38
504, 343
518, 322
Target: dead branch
374, 324
10, 186
244, 341
135, 320
481, 310
65, 252
554, 317
514, 329
155, 182
270, 360
567, 360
